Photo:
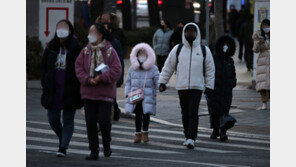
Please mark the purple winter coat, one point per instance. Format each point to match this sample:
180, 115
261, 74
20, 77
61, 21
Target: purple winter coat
105, 90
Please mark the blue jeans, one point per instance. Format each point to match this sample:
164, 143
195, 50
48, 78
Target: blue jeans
65, 131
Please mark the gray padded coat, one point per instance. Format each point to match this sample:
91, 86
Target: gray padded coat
136, 76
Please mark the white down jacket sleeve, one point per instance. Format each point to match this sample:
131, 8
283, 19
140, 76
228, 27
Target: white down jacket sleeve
210, 70
169, 67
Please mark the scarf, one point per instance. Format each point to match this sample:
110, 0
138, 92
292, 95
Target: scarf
96, 57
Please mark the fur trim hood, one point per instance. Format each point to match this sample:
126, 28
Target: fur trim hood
150, 56
231, 46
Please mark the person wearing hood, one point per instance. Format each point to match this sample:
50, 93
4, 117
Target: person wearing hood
219, 101
262, 46
60, 86
195, 72
98, 68
142, 74
161, 43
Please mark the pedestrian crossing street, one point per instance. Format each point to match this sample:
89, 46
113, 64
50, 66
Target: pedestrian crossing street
163, 141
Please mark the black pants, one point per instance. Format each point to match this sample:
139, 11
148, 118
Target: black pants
97, 111
141, 118
249, 56
160, 61
189, 102
241, 47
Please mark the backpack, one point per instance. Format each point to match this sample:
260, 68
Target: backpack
204, 53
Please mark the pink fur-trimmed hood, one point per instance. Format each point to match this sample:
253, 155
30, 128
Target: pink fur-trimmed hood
150, 56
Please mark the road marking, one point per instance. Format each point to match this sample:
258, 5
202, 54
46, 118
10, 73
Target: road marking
115, 147
50, 132
165, 131
54, 149
181, 133
166, 138
84, 152
204, 129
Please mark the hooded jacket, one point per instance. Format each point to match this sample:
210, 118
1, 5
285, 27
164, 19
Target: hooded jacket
136, 78
225, 78
190, 66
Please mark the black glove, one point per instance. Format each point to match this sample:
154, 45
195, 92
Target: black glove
208, 91
163, 87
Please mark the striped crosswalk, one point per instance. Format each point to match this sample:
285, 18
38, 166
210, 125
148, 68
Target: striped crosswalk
162, 142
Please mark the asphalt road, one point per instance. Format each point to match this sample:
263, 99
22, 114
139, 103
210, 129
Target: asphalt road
164, 149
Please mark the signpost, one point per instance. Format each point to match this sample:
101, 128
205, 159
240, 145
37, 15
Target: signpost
51, 12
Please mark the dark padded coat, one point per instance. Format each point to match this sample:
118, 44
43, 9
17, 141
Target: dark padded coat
219, 101
72, 97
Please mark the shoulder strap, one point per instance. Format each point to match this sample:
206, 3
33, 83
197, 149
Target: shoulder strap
178, 51
204, 54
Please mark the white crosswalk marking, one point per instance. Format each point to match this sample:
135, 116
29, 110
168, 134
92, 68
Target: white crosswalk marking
43, 131
114, 155
115, 147
181, 133
155, 137
41, 138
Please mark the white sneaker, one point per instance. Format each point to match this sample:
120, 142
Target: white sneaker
190, 144
264, 106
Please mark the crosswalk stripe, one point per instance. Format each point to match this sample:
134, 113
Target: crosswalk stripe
208, 130
178, 146
115, 147
162, 131
54, 149
179, 139
44, 131
82, 152
181, 133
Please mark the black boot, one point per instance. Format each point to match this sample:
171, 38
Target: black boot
223, 136
62, 152
107, 150
94, 155
215, 133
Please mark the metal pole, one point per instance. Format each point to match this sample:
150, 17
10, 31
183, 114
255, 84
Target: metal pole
207, 22
134, 14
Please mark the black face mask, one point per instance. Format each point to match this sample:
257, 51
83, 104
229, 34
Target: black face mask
190, 38
180, 29
162, 26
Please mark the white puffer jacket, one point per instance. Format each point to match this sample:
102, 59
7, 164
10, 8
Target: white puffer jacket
190, 67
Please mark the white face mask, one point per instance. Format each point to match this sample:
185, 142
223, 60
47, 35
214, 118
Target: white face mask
266, 30
225, 48
212, 16
92, 38
62, 33
142, 58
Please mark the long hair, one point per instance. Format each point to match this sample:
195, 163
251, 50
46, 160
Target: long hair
54, 43
264, 22
102, 30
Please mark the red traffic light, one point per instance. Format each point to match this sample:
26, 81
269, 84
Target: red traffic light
119, 2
